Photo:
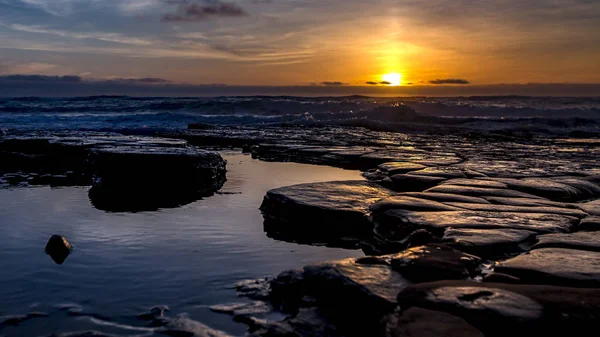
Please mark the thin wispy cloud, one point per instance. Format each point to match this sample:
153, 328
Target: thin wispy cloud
449, 81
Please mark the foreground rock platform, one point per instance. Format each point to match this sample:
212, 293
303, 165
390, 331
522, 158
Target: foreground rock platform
501, 242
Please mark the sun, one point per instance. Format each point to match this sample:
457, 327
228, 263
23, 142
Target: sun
393, 78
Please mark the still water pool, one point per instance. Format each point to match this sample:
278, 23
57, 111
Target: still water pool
124, 263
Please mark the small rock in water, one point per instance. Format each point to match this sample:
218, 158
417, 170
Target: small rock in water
59, 248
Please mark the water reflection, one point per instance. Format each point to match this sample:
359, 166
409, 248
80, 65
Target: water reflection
186, 258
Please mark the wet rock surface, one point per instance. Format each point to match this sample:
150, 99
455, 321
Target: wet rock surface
487, 234
127, 173
321, 212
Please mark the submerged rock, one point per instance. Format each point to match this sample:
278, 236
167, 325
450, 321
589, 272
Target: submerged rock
58, 248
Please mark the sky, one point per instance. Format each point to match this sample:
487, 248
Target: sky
307, 43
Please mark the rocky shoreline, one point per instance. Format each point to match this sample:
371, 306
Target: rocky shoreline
464, 235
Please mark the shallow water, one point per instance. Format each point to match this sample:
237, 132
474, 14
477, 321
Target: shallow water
124, 263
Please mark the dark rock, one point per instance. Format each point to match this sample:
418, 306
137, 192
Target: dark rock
58, 248
394, 168
566, 190
372, 286
448, 172
498, 309
414, 183
488, 243
475, 183
397, 224
591, 207
501, 278
288, 289
326, 212
528, 202
418, 322
446, 197
555, 266
519, 209
184, 327
149, 178
410, 204
257, 289
433, 263
479, 191
580, 240
420, 237
306, 322
153, 313
591, 223
237, 310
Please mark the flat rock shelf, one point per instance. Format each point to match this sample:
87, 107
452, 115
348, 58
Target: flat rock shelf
463, 235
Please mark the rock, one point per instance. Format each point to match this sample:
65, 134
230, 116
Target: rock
153, 313
410, 204
498, 309
306, 322
501, 278
394, 168
396, 224
184, 327
321, 212
149, 178
446, 197
433, 263
479, 191
580, 240
591, 223
417, 322
414, 183
550, 189
448, 172
242, 309
475, 183
58, 248
591, 207
528, 202
519, 209
369, 285
488, 243
555, 266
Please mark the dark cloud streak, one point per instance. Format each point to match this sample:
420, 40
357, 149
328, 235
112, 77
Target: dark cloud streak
449, 81
190, 12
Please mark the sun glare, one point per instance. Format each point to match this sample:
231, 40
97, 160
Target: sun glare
393, 78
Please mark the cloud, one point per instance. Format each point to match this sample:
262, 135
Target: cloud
41, 78
143, 80
376, 83
332, 83
449, 81
189, 11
